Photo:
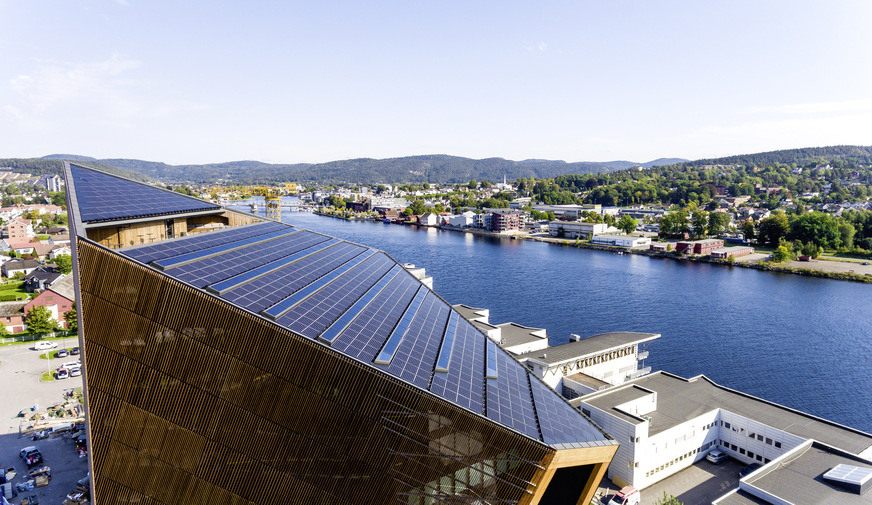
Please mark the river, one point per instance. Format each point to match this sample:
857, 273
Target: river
799, 341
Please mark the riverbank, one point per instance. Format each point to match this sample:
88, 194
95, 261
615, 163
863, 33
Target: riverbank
830, 269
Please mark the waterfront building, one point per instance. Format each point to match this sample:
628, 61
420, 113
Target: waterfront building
513, 337
429, 219
578, 229
462, 220
232, 359
621, 240
665, 423
506, 220
584, 365
732, 252
701, 247
483, 220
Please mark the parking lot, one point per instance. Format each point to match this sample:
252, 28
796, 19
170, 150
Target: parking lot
20, 372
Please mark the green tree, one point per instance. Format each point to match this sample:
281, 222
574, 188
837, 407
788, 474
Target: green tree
773, 229
627, 224
485, 184
818, 227
70, 317
846, 235
718, 223
64, 264
667, 500
699, 220
426, 185
472, 184
39, 320
748, 229
337, 202
781, 254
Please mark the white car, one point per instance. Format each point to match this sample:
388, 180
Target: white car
44, 345
716, 456
62, 373
71, 364
75, 371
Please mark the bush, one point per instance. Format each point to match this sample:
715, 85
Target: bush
10, 297
11, 286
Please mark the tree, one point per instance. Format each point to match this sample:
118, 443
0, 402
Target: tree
718, 223
667, 500
70, 317
64, 264
472, 184
627, 224
748, 229
818, 227
39, 320
846, 235
781, 254
699, 220
773, 228
485, 184
337, 202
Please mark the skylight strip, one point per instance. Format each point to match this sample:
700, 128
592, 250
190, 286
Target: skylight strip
288, 303
190, 257
238, 280
447, 343
393, 341
491, 359
334, 330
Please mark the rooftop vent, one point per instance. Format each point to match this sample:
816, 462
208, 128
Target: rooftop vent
853, 478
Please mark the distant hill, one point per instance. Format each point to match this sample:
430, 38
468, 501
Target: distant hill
437, 168
801, 156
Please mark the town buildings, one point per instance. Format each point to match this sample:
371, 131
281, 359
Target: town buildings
262, 363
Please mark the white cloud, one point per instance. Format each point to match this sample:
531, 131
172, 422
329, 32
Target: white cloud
542, 46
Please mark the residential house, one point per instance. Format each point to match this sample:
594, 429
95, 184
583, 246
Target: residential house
58, 298
20, 230
429, 219
40, 279
463, 220
12, 316
63, 238
59, 250
12, 267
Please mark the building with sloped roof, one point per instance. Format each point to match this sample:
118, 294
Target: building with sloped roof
264, 363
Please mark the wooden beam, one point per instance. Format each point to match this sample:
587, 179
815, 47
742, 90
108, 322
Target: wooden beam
599, 456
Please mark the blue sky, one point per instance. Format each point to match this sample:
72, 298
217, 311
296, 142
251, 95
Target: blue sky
286, 81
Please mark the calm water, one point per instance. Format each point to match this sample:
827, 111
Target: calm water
802, 342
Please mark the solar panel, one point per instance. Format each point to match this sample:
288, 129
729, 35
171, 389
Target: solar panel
345, 319
167, 249
285, 305
464, 382
368, 331
415, 357
166, 264
314, 314
509, 400
239, 280
277, 285
393, 341
104, 197
447, 343
223, 266
557, 419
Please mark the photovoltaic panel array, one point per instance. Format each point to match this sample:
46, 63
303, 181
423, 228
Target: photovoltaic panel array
415, 357
509, 399
463, 383
560, 425
190, 257
212, 270
338, 326
170, 248
104, 197
400, 330
314, 314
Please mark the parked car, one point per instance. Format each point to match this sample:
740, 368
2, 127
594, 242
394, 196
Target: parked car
44, 345
627, 496
75, 371
70, 364
63, 353
31, 455
753, 467
74, 351
716, 456
62, 373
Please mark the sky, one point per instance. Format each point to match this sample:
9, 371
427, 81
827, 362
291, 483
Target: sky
282, 81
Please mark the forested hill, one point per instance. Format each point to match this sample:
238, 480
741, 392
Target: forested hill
860, 154
54, 165
411, 169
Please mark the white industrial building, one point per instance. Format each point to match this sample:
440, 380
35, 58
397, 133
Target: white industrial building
665, 423
621, 240
582, 366
513, 337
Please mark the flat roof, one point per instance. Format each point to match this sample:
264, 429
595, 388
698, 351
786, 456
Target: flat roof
798, 479
680, 400
470, 313
587, 380
585, 347
517, 334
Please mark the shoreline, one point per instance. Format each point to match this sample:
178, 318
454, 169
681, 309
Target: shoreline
768, 267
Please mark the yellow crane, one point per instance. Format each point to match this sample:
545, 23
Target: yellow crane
273, 199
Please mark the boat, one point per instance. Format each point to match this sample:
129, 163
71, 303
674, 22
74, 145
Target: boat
253, 206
